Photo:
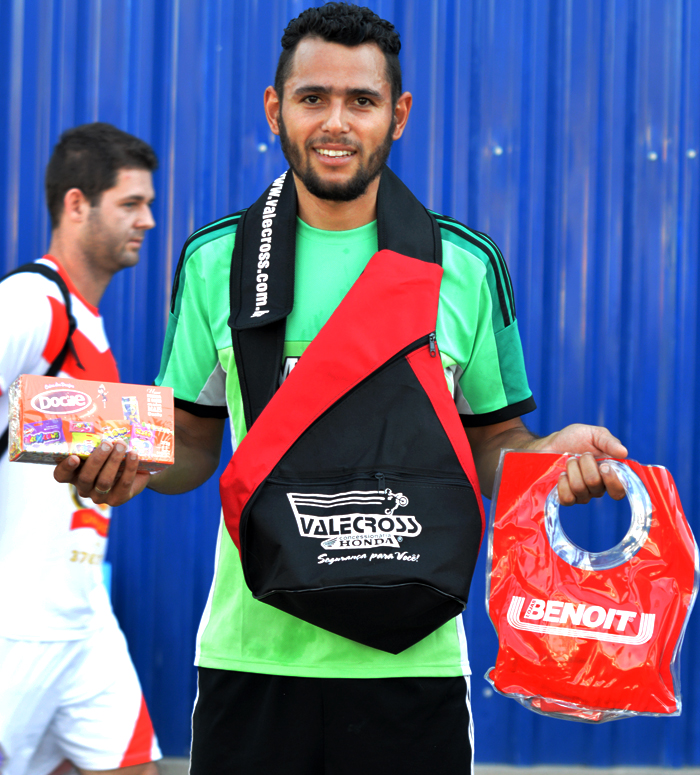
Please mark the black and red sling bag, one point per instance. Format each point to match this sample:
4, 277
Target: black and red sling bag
353, 499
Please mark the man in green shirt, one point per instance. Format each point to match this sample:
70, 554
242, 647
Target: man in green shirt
277, 694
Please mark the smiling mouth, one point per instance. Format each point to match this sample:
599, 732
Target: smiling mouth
333, 154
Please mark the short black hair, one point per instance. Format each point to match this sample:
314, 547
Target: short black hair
350, 25
89, 157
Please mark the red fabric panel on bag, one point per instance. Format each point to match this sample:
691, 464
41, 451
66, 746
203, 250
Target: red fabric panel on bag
430, 374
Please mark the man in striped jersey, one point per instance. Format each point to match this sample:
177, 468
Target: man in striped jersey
277, 694
68, 688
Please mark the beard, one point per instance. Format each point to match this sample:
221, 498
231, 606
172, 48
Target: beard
334, 192
107, 248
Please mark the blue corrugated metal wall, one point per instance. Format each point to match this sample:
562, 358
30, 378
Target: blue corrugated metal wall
567, 129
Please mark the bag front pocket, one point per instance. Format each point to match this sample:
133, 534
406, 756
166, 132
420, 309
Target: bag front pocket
391, 550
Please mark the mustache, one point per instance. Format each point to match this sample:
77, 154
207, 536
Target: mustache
327, 140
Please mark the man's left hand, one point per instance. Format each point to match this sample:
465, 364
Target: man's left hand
585, 477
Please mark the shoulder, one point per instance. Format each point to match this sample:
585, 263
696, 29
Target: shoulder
466, 250
213, 232
473, 244
33, 323
210, 245
29, 296
29, 282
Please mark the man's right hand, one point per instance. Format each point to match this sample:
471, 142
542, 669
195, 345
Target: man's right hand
197, 451
99, 478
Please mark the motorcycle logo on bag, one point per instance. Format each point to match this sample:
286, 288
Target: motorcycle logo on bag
354, 519
599, 623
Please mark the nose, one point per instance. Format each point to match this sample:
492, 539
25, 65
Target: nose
146, 220
336, 119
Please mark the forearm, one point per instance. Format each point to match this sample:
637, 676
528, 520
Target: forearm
194, 462
486, 449
584, 478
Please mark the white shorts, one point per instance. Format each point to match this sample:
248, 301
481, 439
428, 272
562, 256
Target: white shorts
78, 700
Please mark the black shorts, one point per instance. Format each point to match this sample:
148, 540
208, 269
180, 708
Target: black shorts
252, 724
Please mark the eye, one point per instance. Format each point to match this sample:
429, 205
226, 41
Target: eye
312, 99
364, 102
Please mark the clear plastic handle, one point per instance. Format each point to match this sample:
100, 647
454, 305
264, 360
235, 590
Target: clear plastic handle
637, 534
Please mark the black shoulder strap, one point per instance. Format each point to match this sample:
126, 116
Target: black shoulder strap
404, 225
54, 368
262, 274
262, 292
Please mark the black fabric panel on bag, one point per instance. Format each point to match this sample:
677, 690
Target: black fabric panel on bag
386, 422
374, 480
436, 515
369, 590
424, 610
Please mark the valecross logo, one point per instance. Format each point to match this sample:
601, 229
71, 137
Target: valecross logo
608, 624
353, 519
61, 401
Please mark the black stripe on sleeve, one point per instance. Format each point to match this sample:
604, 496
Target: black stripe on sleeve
505, 268
202, 410
215, 226
497, 264
500, 415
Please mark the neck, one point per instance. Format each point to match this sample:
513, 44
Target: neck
337, 216
89, 281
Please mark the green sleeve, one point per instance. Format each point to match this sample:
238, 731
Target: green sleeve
197, 331
478, 331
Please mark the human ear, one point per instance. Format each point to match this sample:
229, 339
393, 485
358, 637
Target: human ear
75, 205
401, 112
272, 109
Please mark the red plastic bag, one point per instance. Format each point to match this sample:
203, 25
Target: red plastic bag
588, 636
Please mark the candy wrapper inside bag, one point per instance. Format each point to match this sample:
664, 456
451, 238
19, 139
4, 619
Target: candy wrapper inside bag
51, 418
588, 636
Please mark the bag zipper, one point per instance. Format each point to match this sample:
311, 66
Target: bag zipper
431, 344
380, 476
428, 339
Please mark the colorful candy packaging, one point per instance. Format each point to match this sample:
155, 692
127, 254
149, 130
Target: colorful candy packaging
588, 636
51, 418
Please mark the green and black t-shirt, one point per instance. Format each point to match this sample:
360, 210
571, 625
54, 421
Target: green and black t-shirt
477, 334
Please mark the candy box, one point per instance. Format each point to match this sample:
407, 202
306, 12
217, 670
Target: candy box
51, 418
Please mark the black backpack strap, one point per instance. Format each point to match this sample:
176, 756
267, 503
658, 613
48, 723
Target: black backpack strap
55, 367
